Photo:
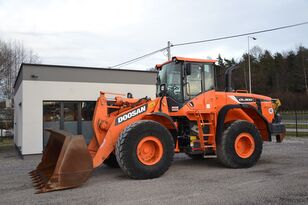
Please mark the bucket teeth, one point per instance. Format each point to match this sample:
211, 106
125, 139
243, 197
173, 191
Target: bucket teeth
34, 176
39, 186
32, 172
37, 182
39, 191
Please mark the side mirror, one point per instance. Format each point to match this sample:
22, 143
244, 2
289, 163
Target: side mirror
163, 89
188, 68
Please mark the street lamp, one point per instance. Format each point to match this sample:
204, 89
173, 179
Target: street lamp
249, 71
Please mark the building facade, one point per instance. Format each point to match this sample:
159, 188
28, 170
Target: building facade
63, 97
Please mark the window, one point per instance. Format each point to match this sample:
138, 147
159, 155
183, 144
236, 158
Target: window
51, 118
208, 77
171, 76
70, 111
70, 117
87, 111
194, 81
73, 116
51, 111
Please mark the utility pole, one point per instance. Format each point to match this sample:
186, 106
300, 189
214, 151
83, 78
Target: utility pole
169, 50
249, 69
304, 69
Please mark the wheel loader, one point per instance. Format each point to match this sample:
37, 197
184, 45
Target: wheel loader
141, 135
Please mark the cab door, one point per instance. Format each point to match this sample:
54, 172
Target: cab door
193, 82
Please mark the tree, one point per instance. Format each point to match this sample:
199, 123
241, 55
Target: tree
220, 69
12, 54
282, 75
303, 58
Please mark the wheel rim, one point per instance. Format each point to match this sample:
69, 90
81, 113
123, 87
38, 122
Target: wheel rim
244, 145
149, 150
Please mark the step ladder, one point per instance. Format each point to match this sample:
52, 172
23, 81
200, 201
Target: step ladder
201, 123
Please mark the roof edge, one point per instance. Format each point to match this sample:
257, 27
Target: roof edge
197, 60
87, 67
76, 67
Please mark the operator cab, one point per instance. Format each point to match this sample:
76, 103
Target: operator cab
184, 79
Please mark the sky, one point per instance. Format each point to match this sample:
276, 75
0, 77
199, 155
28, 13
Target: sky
103, 33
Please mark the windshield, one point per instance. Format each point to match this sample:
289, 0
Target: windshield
201, 79
170, 75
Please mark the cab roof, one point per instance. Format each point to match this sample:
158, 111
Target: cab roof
177, 58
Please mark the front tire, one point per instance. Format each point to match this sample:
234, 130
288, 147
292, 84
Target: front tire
240, 145
145, 150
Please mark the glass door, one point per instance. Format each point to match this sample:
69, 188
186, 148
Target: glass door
70, 117
51, 118
87, 110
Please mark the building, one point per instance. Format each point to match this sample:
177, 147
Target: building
63, 97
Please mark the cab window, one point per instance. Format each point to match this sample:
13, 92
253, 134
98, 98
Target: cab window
194, 81
170, 75
208, 77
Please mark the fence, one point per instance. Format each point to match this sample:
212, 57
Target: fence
296, 122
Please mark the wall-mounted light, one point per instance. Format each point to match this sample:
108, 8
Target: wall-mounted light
34, 76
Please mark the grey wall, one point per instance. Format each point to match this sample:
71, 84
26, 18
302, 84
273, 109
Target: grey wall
83, 74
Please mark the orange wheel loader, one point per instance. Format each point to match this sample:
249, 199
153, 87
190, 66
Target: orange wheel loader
142, 135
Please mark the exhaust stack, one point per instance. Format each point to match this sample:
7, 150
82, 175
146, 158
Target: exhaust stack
228, 78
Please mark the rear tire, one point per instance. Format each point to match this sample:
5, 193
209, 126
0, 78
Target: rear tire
145, 150
240, 145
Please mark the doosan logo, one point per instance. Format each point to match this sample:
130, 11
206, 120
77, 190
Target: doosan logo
131, 114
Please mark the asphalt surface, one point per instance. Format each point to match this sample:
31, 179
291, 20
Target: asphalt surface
280, 177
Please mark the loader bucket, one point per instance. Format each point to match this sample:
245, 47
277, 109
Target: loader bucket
66, 163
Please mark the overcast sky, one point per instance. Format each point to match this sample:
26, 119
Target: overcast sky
104, 33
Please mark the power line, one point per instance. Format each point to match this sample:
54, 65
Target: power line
239, 35
207, 40
139, 58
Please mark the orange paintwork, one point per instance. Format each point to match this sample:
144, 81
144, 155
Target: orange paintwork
206, 108
204, 111
244, 145
106, 136
196, 60
149, 150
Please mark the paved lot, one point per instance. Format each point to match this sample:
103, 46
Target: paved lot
280, 177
